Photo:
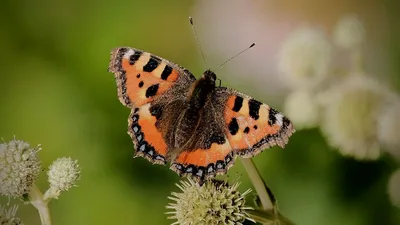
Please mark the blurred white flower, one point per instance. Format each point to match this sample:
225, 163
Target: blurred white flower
63, 174
7, 217
302, 108
349, 32
19, 168
305, 58
394, 188
350, 116
215, 202
389, 127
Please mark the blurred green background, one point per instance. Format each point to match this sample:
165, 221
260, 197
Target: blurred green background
55, 90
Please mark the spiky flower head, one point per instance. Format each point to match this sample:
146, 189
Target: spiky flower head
349, 32
389, 126
7, 217
305, 58
302, 108
350, 116
19, 168
63, 174
394, 188
215, 202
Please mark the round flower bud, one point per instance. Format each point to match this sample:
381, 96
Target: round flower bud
215, 202
349, 32
7, 217
63, 173
305, 58
302, 108
350, 116
19, 168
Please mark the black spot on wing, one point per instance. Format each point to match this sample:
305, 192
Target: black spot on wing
166, 72
246, 130
238, 104
151, 64
217, 138
254, 108
152, 90
134, 57
141, 83
272, 116
233, 126
156, 111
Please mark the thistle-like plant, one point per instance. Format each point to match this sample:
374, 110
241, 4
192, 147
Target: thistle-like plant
218, 202
19, 170
215, 202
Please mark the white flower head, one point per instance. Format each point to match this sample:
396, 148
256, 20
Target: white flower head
350, 115
389, 127
305, 58
349, 32
63, 174
19, 168
215, 202
302, 108
7, 217
394, 188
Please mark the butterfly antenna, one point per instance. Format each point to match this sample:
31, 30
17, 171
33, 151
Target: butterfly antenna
198, 41
252, 45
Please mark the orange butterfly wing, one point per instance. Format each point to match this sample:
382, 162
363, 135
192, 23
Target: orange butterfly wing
248, 127
141, 79
203, 163
141, 76
252, 126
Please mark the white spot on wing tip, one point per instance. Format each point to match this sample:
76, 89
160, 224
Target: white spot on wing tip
129, 53
279, 119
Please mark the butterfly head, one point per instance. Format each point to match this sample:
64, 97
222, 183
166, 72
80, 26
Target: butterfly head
210, 77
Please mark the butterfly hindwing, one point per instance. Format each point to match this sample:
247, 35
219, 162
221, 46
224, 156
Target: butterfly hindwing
141, 76
250, 125
208, 152
148, 141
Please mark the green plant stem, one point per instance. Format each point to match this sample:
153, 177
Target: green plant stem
258, 184
268, 214
36, 199
268, 217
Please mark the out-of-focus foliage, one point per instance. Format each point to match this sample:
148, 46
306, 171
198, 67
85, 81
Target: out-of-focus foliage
55, 91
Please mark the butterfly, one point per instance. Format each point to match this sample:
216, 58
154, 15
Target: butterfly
193, 124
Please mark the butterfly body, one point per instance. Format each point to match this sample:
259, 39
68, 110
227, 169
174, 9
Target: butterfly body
193, 124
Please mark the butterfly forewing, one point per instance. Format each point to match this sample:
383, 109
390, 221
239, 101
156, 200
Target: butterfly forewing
144, 80
250, 125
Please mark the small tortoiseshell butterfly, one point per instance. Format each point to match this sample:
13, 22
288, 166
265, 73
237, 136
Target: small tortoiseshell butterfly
195, 125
